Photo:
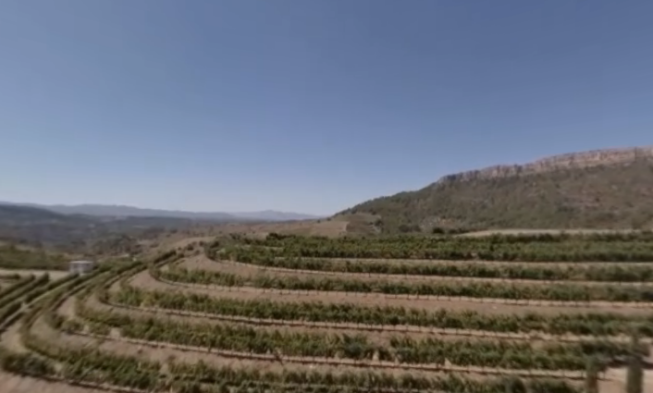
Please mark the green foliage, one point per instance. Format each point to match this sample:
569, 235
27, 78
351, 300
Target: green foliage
611, 247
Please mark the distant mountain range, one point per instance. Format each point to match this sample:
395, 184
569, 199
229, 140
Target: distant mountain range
130, 211
89, 228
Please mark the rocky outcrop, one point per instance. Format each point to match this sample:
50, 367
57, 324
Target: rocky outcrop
586, 159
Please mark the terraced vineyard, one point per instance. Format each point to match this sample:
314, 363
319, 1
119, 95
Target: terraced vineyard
554, 314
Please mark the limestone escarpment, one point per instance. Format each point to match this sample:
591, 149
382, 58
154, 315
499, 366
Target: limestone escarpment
580, 160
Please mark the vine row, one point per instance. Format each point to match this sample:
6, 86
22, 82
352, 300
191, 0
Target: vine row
402, 349
611, 273
554, 292
529, 248
89, 365
595, 324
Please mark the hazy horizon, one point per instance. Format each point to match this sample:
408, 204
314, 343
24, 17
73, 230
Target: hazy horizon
308, 107
64, 205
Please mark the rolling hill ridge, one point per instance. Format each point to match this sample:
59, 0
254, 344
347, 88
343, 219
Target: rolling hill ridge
610, 188
116, 211
78, 227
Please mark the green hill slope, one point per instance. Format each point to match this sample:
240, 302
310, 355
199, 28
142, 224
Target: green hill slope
600, 189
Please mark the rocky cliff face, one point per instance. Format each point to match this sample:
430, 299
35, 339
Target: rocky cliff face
586, 159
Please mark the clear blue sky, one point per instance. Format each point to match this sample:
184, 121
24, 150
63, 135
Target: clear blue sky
308, 106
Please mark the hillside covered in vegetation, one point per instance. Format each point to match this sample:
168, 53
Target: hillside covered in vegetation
597, 189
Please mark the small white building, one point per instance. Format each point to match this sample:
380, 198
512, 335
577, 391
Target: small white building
81, 267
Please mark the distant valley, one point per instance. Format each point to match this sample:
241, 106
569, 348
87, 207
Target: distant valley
81, 228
